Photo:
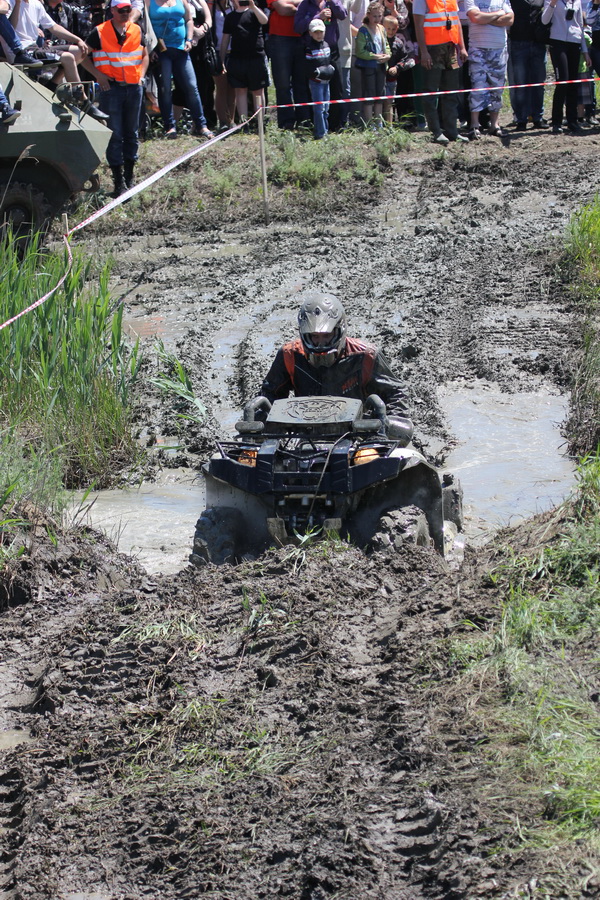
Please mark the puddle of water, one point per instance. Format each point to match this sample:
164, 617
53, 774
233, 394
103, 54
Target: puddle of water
12, 737
510, 459
154, 522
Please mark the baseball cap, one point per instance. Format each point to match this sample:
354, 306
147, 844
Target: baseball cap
316, 25
120, 3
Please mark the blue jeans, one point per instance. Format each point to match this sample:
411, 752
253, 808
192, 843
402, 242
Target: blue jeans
289, 77
177, 63
527, 64
9, 35
319, 90
122, 103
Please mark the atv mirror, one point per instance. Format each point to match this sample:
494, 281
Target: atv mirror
367, 426
249, 427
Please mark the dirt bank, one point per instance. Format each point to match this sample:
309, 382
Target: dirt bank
281, 728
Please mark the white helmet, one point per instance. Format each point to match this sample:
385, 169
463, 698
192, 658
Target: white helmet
322, 324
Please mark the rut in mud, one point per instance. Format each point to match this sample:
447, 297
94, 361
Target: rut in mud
272, 729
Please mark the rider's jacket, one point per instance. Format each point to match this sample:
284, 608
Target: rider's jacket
361, 370
441, 23
120, 61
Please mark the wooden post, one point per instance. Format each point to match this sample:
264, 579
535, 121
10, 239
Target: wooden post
263, 161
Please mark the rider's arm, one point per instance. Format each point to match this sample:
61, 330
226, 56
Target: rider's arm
384, 383
277, 384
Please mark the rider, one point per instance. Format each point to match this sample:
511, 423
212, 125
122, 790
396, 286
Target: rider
327, 362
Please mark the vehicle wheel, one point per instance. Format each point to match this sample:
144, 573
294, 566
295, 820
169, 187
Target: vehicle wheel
402, 526
452, 501
217, 538
23, 209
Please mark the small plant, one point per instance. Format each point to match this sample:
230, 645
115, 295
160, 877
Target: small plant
176, 382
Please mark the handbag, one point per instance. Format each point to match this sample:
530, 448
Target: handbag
211, 58
541, 32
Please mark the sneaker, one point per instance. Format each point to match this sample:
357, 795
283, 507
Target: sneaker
521, 126
440, 139
574, 128
541, 123
459, 139
8, 115
556, 129
25, 59
474, 134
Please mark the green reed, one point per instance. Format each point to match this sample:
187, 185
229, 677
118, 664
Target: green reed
66, 371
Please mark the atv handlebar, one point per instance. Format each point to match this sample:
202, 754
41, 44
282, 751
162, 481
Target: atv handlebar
250, 424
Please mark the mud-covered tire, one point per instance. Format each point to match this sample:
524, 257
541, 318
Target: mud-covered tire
24, 209
452, 503
218, 536
402, 526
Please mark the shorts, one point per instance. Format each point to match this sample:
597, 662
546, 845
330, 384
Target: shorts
390, 88
247, 72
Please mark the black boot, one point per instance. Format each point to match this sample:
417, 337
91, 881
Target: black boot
120, 186
128, 167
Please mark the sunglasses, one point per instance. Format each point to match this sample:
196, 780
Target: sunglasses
124, 10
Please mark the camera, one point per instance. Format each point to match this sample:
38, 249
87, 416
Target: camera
569, 13
244, 2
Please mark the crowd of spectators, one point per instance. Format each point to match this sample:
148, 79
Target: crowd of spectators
217, 59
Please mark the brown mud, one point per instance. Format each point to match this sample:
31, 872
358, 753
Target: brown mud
282, 728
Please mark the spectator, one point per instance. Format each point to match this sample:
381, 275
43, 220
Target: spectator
119, 61
400, 59
319, 73
76, 19
488, 56
526, 65
345, 42
286, 52
173, 24
243, 54
593, 20
224, 93
28, 17
204, 80
440, 38
331, 12
371, 56
11, 42
567, 42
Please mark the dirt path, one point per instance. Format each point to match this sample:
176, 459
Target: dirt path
270, 730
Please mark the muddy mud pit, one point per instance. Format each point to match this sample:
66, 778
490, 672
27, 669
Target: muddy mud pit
278, 729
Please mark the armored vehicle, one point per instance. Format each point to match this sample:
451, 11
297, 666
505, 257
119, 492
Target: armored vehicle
313, 464
49, 154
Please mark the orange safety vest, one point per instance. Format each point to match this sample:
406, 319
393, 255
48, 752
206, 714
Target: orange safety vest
121, 62
435, 24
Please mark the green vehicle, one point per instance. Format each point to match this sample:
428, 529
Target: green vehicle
48, 155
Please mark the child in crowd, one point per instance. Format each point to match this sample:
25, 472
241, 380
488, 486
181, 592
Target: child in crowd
319, 72
401, 58
243, 53
371, 56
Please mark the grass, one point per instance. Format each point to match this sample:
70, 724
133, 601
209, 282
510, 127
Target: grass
583, 269
225, 184
66, 370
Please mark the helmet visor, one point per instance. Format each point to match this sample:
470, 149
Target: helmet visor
322, 341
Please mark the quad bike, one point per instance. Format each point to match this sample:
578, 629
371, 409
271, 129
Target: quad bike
326, 463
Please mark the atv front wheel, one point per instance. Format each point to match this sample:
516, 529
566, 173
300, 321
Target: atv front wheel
402, 526
217, 538
25, 210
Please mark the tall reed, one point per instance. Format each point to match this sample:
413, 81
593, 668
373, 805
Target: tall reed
66, 371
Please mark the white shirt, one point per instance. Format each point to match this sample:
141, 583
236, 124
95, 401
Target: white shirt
32, 17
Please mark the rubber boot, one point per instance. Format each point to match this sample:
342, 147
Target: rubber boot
120, 186
128, 167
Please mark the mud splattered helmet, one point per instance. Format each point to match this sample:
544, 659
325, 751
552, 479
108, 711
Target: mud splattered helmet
322, 324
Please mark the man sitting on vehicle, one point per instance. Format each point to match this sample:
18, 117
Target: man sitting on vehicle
28, 17
327, 362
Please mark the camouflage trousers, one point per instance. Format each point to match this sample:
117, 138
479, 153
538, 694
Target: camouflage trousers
487, 68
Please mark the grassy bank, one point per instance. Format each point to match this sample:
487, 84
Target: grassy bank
531, 673
224, 185
65, 382
583, 271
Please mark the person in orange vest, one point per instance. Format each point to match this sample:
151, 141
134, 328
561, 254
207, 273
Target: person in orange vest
441, 49
118, 61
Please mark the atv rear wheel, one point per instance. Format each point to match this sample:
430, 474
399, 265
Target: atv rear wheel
402, 526
217, 538
25, 210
